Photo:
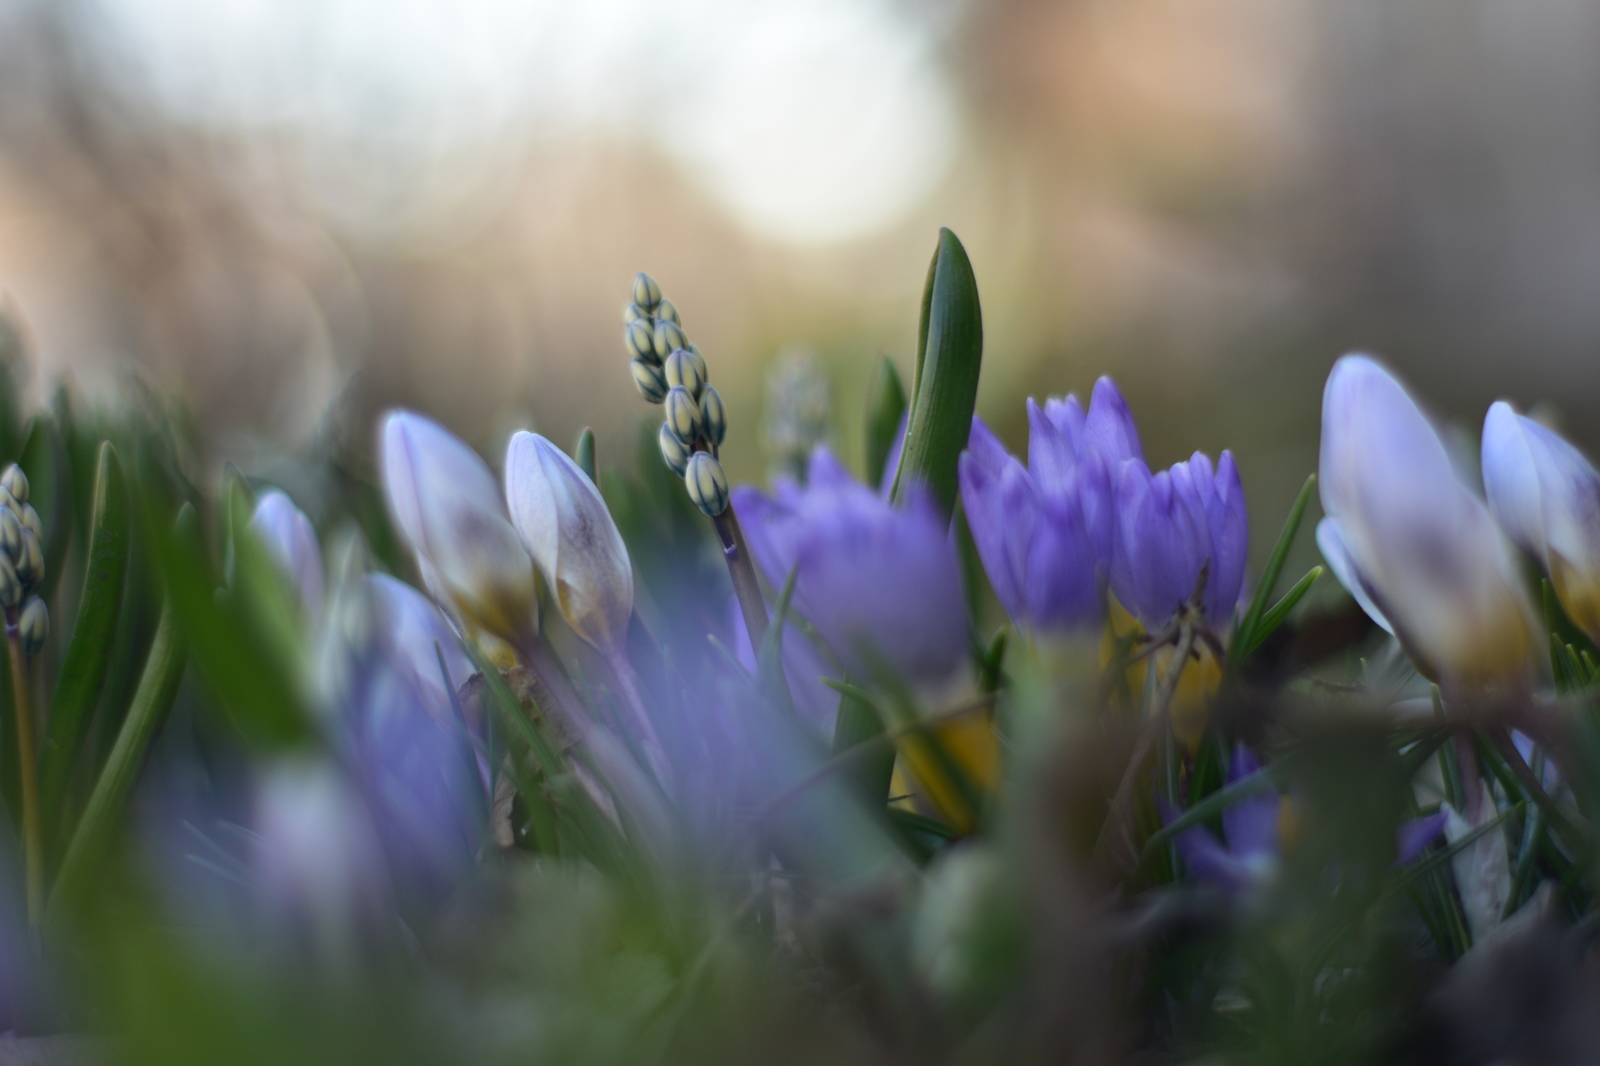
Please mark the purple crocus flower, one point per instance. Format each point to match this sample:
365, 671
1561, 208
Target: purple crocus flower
1248, 854
874, 579
1044, 531
1169, 525
804, 667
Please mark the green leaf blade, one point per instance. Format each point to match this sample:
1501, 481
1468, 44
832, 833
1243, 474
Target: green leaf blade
886, 406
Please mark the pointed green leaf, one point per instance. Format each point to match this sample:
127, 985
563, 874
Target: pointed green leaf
886, 406
945, 390
1280, 610
583, 453
158, 687
1245, 635
83, 670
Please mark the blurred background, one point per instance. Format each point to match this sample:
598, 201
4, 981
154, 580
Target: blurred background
294, 213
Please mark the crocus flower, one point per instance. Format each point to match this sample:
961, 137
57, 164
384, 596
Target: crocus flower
1546, 497
395, 721
803, 669
292, 541
1415, 547
564, 524
1169, 525
1250, 852
449, 509
875, 579
1036, 543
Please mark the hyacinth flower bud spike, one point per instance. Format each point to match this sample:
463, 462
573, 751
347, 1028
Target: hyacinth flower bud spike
646, 293
666, 311
10, 584
649, 380
683, 369
713, 416
633, 313
640, 338
566, 527
10, 532
30, 559
673, 451
33, 625
292, 540
448, 507
683, 415
1414, 545
707, 484
31, 520
15, 482
669, 336
1546, 497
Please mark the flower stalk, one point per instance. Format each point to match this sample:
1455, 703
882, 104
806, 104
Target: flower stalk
28, 771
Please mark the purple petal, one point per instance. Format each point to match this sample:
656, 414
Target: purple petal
1109, 427
1052, 456
981, 499
1204, 855
1229, 524
1417, 834
1062, 589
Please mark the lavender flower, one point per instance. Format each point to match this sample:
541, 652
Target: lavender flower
1250, 851
874, 579
1546, 497
1171, 524
1415, 547
804, 667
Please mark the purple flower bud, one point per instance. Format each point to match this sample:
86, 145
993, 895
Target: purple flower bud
1171, 524
1035, 544
874, 579
1546, 496
292, 540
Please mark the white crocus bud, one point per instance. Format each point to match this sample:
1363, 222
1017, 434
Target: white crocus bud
1546, 496
292, 540
649, 380
1415, 547
449, 509
707, 484
673, 451
15, 482
684, 369
683, 415
566, 527
33, 625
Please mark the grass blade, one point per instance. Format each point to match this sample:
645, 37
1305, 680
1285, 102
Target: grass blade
1244, 636
1280, 610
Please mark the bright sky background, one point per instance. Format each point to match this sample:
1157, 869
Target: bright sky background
812, 120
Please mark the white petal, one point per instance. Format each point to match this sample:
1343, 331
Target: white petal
1511, 479
1331, 543
292, 540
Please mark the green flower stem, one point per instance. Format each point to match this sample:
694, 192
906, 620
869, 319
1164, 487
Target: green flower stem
158, 687
745, 586
28, 765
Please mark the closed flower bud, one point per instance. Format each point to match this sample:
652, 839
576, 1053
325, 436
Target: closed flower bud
673, 451
34, 625
713, 416
683, 369
9, 502
30, 520
646, 293
1414, 545
1546, 497
10, 585
289, 536
641, 341
668, 337
648, 379
564, 524
30, 559
683, 415
633, 313
15, 482
707, 484
666, 310
449, 509
10, 533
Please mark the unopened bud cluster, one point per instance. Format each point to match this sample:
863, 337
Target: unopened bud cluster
22, 560
670, 371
